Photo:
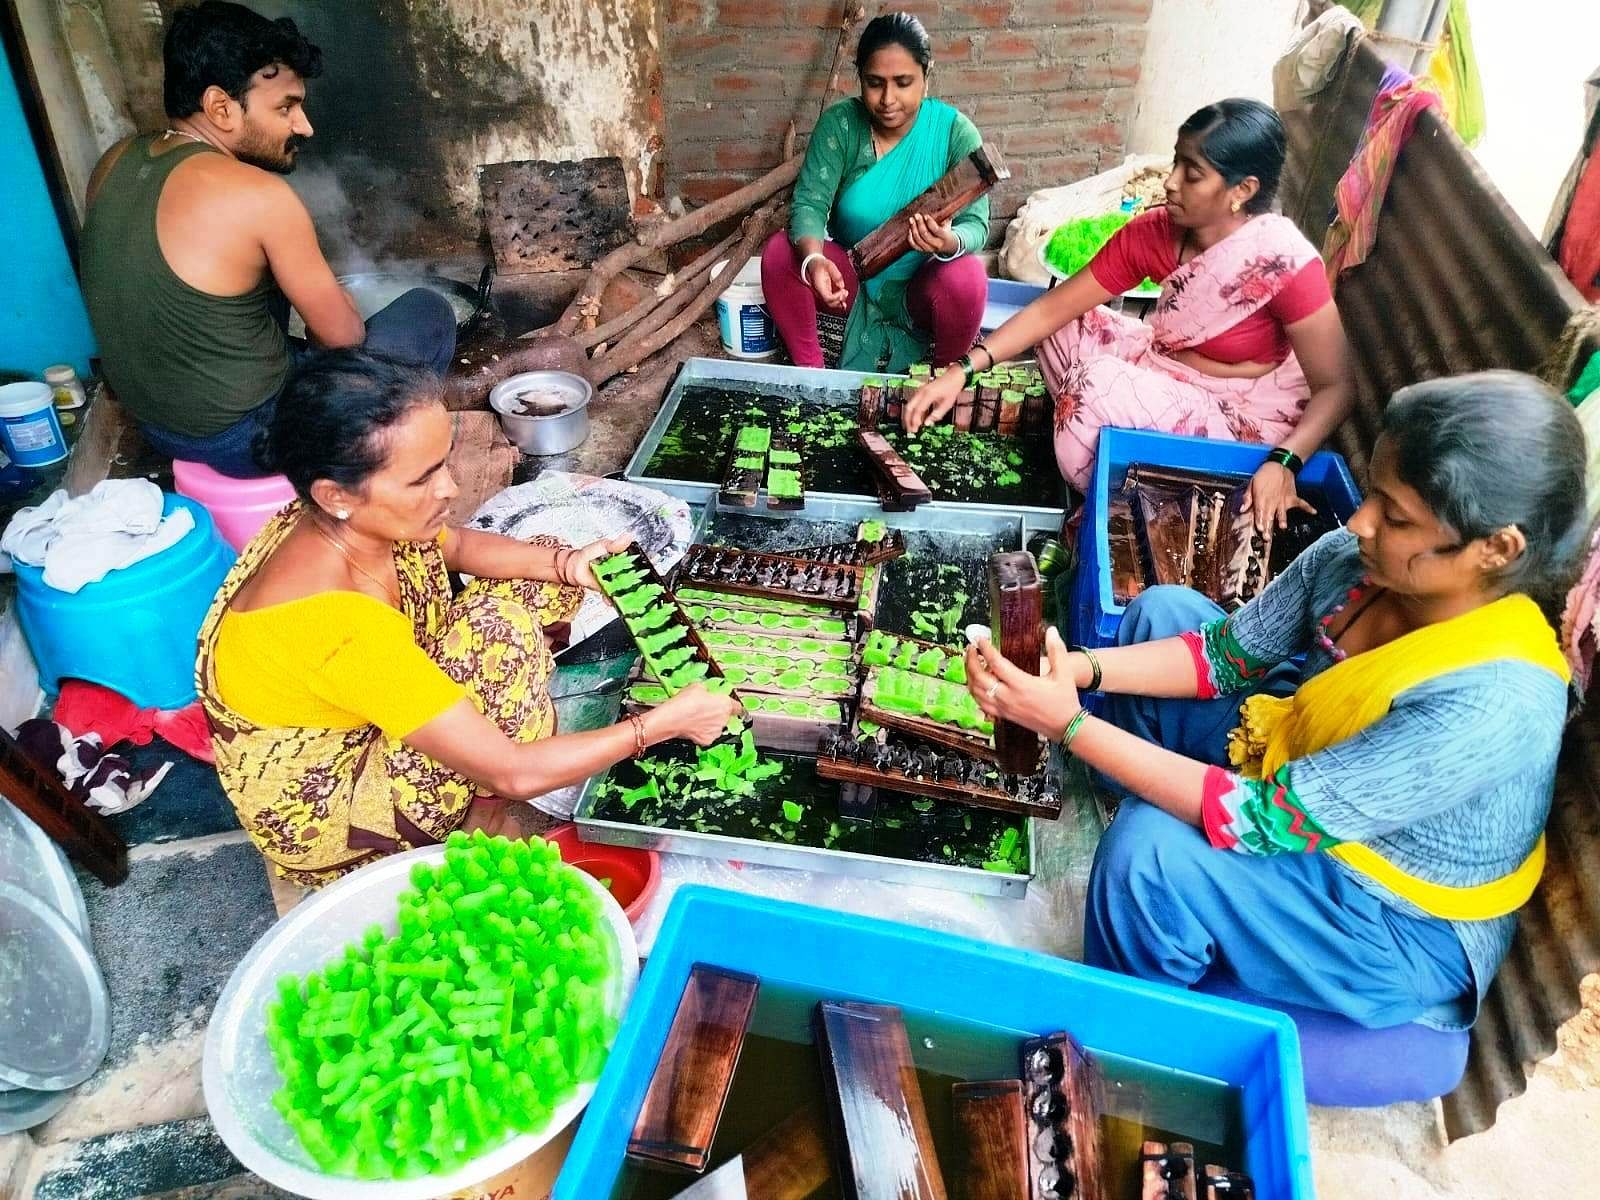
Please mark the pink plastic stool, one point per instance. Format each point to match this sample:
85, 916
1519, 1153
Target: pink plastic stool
240, 507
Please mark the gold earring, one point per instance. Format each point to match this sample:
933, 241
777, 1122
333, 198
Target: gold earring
1235, 206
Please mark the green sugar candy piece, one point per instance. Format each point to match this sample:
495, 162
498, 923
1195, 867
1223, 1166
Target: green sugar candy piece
872, 531
755, 439
652, 644
625, 582
905, 656
687, 674
955, 670
638, 600
673, 659
772, 621
929, 662
783, 483
749, 462
612, 564
653, 618
784, 458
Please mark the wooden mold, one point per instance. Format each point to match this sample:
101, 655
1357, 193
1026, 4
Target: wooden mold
859, 553
870, 403
1167, 1172
746, 467
786, 487
991, 1123
84, 834
903, 765
666, 638
1016, 617
684, 1102
963, 183
882, 1142
1219, 1183
895, 477
1064, 1105
775, 576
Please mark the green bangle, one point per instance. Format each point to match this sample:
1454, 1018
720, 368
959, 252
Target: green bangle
1287, 459
1094, 665
1071, 731
967, 370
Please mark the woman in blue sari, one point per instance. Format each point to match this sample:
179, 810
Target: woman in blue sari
867, 159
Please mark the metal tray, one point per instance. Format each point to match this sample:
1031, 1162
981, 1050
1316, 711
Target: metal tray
829, 387
725, 848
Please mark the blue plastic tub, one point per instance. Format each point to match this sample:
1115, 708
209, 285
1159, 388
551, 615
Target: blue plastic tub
135, 631
959, 978
1096, 616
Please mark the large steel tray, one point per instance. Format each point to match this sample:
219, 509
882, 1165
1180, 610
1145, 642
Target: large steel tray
726, 848
823, 387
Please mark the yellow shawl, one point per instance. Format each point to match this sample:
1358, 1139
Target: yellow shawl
1349, 696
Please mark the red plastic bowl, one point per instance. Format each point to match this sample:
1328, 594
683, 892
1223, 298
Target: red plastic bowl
634, 874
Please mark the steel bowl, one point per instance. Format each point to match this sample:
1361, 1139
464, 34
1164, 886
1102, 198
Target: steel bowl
560, 421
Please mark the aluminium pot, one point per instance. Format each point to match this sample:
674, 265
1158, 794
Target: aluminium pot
543, 412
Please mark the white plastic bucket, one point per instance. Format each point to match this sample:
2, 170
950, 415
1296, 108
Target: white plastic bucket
28, 425
742, 314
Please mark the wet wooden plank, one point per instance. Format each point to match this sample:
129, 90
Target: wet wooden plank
958, 187
684, 1103
992, 1124
881, 1139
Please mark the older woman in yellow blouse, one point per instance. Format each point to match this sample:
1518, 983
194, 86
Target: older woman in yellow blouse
357, 707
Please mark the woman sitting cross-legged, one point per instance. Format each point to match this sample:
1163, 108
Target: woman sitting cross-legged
1245, 343
867, 160
357, 707
1357, 837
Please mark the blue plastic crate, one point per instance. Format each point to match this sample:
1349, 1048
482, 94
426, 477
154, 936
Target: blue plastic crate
1007, 297
859, 958
1096, 616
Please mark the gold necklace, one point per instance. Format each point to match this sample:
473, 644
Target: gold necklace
181, 133
338, 545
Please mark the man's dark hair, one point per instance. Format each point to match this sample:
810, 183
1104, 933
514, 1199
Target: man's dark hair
226, 44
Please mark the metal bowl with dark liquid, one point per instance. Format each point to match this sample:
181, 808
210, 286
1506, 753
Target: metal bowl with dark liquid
543, 412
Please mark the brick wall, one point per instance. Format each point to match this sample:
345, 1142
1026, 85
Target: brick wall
1051, 82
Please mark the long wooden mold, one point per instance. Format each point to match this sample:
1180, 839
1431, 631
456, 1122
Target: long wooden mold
882, 1141
902, 765
659, 627
746, 467
958, 187
683, 1105
786, 485
773, 576
1016, 615
859, 553
1064, 1106
972, 742
991, 1124
899, 487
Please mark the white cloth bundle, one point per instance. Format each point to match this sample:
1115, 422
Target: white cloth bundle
82, 540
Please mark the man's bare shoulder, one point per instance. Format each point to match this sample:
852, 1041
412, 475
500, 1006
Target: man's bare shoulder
252, 190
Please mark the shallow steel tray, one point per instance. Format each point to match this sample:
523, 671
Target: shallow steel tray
824, 387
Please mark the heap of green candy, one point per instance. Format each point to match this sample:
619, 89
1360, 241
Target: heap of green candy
409, 1055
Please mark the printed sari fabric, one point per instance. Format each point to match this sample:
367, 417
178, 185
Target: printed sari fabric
879, 331
1109, 369
320, 802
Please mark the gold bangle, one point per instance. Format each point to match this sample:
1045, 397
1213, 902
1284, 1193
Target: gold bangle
638, 734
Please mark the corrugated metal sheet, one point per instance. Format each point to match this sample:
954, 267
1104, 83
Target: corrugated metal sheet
1457, 283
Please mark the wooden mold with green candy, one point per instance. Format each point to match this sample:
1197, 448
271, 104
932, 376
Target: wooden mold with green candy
892, 761
791, 724
786, 488
920, 688
774, 576
747, 467
667, 639
750, 616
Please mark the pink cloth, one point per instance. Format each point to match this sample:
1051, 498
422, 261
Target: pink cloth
1147, 247
1108, 369
945, 298
1359, 195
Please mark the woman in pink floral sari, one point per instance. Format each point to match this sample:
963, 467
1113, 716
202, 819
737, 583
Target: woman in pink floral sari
1245, 343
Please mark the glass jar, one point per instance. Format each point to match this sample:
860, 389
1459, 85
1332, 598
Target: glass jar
66, 386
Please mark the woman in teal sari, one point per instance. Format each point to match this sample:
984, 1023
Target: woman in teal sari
867, 159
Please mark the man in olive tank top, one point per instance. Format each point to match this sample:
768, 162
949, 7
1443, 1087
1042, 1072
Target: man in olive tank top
195, 246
